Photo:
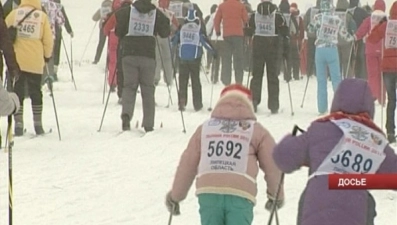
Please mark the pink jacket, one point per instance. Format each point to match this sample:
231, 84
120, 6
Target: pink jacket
261, 150
366, 27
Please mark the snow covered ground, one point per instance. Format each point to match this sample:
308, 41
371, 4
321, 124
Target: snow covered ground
99, 178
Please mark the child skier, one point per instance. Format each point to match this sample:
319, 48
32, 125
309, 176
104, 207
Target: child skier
328, 27
223, 154
191, 38
322, 146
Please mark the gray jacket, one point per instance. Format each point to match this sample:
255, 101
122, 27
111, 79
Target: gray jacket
9, 102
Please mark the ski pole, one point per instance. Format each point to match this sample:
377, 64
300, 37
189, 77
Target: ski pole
348, 63
50, 87
106, 76
107, 102
214, 61
176, 85
70, 63
89, 40
249, 66
8, 146
274, 209
162, 64
289, 90
304, 93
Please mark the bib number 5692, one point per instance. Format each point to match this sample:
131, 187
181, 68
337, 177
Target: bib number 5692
230, 149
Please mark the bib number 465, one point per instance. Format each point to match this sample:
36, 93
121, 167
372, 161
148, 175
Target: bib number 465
230, 149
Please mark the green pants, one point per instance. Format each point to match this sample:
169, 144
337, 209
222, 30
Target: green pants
217, 209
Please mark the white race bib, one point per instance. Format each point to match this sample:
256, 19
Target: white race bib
375, 19
342, 17
391, 34
360, 150
31, 26
287, 17
313, 12
190, 34
329, 29
105, 11
177, 9
265, 25
141, 24
225, 146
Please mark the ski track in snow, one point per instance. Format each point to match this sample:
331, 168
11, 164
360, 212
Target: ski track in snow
98, 178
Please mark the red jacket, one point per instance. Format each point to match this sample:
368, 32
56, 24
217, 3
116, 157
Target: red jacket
233, 16
300, 34
389, 60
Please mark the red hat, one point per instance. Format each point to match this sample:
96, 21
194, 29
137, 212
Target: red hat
294, 5
237, 89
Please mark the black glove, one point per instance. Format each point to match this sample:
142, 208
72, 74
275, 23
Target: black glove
46, 59
14, 75
172, 206
270, 202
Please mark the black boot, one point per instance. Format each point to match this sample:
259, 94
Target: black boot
391, 138
18, 117
125, 122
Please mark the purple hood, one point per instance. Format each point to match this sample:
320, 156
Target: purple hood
353, 96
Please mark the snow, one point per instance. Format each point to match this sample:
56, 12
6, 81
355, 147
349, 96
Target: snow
103, 178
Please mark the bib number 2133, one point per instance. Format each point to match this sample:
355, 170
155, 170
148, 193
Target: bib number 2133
228, 148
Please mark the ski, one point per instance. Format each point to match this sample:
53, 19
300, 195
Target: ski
139, 132
279, 112
40, 135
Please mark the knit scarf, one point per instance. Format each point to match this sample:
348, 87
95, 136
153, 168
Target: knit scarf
362, 118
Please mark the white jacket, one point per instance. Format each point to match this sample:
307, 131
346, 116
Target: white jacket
210, 29
9, 102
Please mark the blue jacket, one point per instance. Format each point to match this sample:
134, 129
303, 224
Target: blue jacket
190, 52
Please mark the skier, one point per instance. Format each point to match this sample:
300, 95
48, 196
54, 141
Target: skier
323, 145
190, 39
234, 17
108, 26
345, 48
100, 15
226, 180
163, 51
329, 28
57, 19
9, 102
180, 9
33, 50
136, 27
7, 49
359, 14
386, 29
311, 38
209, 27
265, 25
219, 45
373, 52
58, 38
296, 41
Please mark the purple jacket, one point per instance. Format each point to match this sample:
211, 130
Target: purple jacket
321, 205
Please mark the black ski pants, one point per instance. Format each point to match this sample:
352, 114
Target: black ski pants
261, 58
190, 69
101, 44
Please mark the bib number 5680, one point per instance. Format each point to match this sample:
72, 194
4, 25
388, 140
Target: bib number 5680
230, 149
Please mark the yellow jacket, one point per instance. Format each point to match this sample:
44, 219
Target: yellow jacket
34, 39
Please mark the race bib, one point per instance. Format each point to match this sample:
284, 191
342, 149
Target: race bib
360, 150
190, 34
225, 146
141, 24
329, 29
375, 19
391, 34
177, 9
313, 13
287, 17
342, 17
31, 26
265, 25
105, 11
